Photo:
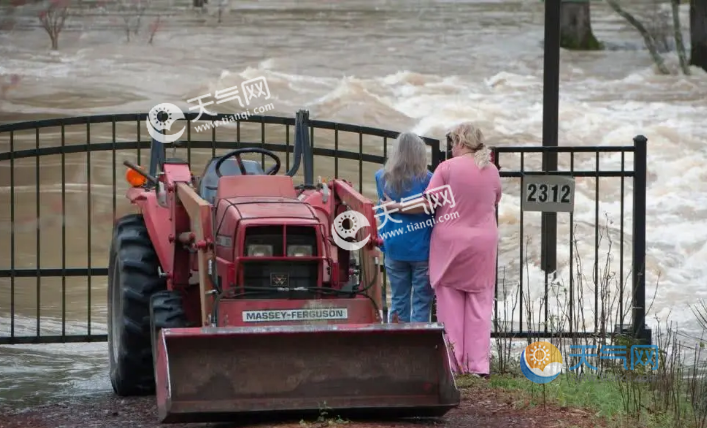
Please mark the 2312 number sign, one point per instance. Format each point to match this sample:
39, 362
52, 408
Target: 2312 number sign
548, 193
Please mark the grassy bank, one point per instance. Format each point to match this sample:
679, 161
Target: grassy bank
595, 297
610, 403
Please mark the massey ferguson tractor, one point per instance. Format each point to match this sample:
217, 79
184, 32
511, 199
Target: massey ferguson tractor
228, 296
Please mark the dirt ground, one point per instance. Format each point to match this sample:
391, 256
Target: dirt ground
482, 406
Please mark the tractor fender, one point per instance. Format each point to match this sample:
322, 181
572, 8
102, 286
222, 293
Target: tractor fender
157, 221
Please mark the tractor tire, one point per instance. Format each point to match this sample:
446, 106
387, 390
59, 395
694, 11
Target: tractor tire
166, 311
133, 278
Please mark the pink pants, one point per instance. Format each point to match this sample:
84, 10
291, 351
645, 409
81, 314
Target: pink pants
467, 322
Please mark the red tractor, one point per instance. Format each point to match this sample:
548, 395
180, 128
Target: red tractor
228, 295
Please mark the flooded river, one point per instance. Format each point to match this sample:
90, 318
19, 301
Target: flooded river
398, 65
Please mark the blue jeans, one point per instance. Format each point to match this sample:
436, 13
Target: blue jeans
411, 291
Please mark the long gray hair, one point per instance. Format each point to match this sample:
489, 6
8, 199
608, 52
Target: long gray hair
407, 161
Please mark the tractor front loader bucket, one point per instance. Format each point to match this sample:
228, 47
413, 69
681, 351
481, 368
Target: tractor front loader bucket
214, 374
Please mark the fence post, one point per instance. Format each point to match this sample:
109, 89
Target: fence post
157, 155
551, 108
438, 156
640, 154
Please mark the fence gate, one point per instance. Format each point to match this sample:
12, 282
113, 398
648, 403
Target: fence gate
599, 286
61, 187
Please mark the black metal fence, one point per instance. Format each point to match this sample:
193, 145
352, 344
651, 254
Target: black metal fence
617, 286
60, 192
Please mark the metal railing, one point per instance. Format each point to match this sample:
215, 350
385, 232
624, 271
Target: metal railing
610, 274
60, 193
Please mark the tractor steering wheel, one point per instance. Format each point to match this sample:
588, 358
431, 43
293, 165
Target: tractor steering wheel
237, 154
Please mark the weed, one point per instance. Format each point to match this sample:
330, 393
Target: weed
668, 394
325, 419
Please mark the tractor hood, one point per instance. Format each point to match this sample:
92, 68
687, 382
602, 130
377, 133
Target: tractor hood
247, 208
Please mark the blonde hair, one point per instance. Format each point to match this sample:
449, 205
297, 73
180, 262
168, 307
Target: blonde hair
471, 137
407, 161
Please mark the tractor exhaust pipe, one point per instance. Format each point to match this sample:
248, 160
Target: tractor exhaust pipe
307, 155
303, 149
383, 370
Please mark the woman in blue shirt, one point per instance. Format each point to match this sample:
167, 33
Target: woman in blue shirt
406, 237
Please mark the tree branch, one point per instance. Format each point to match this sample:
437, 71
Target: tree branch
647, 38
53, 18
679, 44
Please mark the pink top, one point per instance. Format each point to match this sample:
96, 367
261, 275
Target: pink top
464, 238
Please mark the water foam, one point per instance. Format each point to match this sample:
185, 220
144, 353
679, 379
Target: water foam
503, 94
508, 108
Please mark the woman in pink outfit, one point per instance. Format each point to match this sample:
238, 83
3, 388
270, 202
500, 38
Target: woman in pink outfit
463, 193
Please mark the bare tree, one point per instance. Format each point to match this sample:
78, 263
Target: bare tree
655, 34
53, 17
154, 28
132, 12
648, 38
657, 22
221, 8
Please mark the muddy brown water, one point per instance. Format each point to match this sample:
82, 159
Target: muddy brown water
390, 64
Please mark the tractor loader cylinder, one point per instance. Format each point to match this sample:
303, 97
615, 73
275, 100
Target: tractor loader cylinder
213, 374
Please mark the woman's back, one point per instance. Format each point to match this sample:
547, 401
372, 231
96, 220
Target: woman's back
464, 245
406, 237
465, 236
475, 193
405, 175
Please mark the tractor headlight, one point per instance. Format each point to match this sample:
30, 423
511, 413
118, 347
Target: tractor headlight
299, 251
259, 250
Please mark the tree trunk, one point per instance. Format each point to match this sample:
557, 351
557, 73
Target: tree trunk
576, 27
698, 33
677, 29
647, 38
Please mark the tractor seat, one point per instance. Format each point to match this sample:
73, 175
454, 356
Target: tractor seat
209, 180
